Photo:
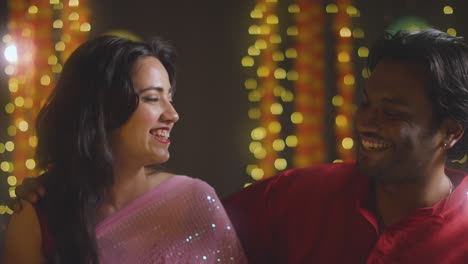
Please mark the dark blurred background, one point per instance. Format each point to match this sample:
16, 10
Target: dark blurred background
211, 139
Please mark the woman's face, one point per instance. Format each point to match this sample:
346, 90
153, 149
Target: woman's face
144, 138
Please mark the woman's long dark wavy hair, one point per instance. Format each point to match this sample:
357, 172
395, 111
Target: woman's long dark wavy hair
93, 96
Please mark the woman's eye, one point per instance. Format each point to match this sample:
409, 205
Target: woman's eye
150, 99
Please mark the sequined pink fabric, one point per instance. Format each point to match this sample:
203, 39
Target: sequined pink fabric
180, 221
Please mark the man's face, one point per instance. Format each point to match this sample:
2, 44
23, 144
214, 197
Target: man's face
397, 137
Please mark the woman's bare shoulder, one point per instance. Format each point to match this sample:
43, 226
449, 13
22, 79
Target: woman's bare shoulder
23, 242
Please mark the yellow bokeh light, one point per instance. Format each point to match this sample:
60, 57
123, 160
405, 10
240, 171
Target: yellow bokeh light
291, 141
257, 174
260, 153
5, 166
452, 32
331, 8
32, 141
255, 96
54, 2
10, 146
33, 9
294, 9
19, 101
292, 75
249, 168
254, 113
23, 125
337, 100
60, 46
276, 108
343, 56
247, 61
347, 143
292, 31
263, 71
352, 11
348, 79
276, 39
278, 56
57, 68
274, 127
261, 44
250, 84
30, 164
9, 108
52, 60
13, 85
278, 90
2, 209
338, 161
27, 32
448, 10
272, 19
297, 118
12, 193
358, 33
363, 52
287, 96
6, 38
2, 148
12, 181
253, 51
258, 133
85, 27
341, 121
57, 24
73, 16
45, 80
280, 73
291, 53
9, 70
256, 13
73, 3
463, 160
365, 72
278, 145
254, 30
255, 146
345, 32
281, 164
11, 130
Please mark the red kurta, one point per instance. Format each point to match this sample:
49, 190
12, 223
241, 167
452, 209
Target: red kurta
318, 215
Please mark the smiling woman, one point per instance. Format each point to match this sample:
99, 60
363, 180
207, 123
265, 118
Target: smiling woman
102, 136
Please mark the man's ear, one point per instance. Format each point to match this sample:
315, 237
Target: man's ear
453, 132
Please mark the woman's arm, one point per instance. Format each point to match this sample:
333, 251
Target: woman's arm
23, 243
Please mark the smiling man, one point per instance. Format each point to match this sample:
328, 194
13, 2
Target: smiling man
398, 203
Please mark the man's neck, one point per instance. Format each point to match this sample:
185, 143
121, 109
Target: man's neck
394, 201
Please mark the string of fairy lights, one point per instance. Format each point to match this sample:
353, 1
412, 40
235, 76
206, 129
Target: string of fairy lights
306, 87
42, 34
305, 91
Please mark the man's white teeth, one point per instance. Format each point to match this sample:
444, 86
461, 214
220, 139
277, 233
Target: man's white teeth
160, 133
374, 145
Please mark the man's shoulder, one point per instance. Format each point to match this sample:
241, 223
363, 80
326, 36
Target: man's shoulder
319, 174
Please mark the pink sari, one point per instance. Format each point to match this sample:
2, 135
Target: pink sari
180, 221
